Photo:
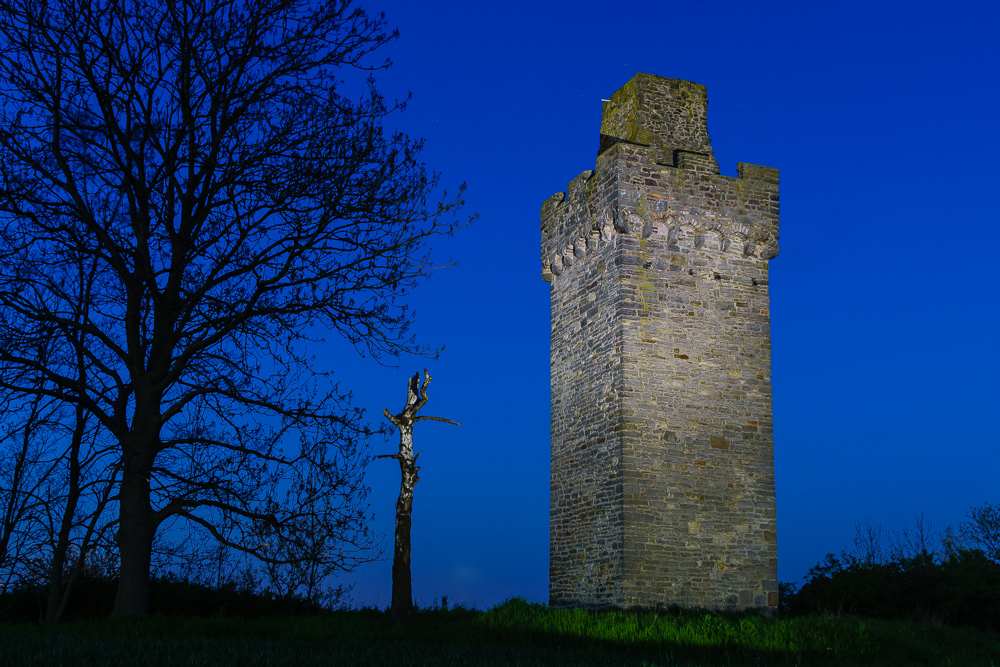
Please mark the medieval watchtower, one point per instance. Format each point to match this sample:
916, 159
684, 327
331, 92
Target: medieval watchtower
662, 486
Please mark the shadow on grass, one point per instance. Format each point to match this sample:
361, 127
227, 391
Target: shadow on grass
516, 632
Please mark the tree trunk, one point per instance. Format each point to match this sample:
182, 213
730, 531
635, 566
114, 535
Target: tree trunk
53, 606
135, 545
58, 594
402, 582
58, 590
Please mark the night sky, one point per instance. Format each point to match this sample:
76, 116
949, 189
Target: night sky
882, 118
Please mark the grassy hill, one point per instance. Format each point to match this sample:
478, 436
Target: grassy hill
515, 633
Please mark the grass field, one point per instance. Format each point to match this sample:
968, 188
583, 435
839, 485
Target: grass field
515, 633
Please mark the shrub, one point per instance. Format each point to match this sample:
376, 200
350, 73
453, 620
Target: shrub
95, 597
962, 589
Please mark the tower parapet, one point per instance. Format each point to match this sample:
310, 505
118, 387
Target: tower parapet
662, 488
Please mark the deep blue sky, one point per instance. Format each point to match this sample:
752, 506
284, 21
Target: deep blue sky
882, 118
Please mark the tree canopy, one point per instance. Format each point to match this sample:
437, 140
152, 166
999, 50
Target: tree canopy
186, 192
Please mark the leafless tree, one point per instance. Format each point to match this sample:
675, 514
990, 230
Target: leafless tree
89, 477
200, 165
303, 571
88, 471
868, 548
402, 583
912, 540
24, 469
56, 483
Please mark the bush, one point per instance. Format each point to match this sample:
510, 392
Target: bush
95, 598
963, 589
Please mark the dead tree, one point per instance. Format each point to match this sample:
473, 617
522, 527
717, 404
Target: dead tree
402, 584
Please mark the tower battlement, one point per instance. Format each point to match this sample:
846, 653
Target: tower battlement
662, 483
742, 209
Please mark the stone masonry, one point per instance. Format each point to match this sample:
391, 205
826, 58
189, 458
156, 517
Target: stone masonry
662, 487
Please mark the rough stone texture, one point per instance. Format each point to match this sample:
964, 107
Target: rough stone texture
662, 487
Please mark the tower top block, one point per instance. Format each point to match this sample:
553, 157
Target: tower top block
670, 114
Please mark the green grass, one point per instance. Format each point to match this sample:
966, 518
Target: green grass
516, 633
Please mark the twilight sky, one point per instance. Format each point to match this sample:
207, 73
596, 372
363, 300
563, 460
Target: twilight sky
881, 116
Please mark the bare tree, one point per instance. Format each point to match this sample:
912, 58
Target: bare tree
868, 550
402, 583
89, 471
199, 164
55, 494
56, 482
913, 539
25, 466
89, 481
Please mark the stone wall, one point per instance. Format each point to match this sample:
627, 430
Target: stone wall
662, 482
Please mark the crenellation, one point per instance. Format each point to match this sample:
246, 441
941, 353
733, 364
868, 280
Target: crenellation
746, 223
662, 454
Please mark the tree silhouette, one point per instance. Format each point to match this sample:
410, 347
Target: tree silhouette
981, 531
200, 165
57, 479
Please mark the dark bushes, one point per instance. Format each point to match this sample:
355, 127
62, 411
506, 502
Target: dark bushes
95, 597
962, 588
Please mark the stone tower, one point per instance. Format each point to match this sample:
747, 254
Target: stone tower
662, 488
